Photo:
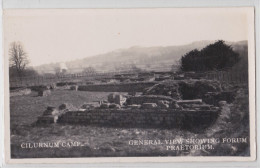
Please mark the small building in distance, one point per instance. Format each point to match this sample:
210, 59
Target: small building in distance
63, 68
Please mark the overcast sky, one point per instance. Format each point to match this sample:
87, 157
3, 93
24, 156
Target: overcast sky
63, 35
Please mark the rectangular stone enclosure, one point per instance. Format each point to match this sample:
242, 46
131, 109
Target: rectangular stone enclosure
142, 118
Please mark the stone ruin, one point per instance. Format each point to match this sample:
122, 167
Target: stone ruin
52, 114
74, 87
135, 111
44, 92
53, 86
116, 99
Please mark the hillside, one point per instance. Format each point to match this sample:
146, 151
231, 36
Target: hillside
148, 58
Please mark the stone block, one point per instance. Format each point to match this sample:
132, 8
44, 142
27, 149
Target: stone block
75, 87
48, 119
195, 101
50, 111
44, 93
119, 99
53, 86
111, 97
116, 98
134, 106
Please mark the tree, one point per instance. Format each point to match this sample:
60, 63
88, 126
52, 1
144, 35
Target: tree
217, 56
18, 59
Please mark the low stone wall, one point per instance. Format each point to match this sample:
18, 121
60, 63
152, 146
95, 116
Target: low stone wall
20, 92
142, 118
125, 87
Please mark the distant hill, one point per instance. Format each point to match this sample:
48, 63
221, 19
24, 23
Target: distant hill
147, 58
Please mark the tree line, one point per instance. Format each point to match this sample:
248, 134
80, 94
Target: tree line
217, 56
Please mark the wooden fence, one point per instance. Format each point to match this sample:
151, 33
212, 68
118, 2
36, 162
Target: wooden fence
235, 77
45, 80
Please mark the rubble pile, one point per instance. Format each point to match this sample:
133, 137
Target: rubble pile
52, 114
184, 89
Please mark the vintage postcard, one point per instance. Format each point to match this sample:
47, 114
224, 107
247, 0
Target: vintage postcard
129, 85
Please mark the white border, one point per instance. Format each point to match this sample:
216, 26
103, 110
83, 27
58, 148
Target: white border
152, 3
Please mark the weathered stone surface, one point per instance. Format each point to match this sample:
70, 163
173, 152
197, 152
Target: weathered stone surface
111, 97
152, 117
48, 119
116, 98
195, 101
119, 99
44, 93
134, 106
50, 111
53, 86
50, 115
75, 87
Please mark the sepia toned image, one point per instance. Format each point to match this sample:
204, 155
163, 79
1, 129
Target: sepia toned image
124, 85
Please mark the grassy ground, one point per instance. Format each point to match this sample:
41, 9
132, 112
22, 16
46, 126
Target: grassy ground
101, 141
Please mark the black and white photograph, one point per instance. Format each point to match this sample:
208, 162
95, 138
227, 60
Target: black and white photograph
165, 84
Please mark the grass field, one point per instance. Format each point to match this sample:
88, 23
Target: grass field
101, 141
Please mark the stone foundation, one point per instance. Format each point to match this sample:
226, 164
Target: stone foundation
166, 118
